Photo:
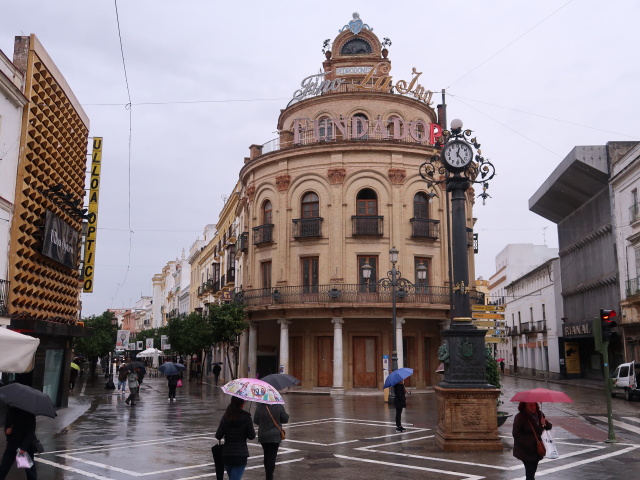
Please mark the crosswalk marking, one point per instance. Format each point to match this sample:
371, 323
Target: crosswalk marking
620, 424
631, 419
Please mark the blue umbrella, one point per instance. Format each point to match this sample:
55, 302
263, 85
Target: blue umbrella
170, 368
397, 376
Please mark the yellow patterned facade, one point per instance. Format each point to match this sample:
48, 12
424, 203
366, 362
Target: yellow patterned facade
53, 151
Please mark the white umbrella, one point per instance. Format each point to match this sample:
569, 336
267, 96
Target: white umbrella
149, 352
17, 351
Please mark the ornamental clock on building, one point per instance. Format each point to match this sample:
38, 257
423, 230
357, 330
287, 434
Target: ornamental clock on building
457, 154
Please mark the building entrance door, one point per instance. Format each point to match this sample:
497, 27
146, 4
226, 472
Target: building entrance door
364, 362
325, 361
515, 359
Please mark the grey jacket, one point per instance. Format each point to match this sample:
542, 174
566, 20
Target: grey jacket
267, 431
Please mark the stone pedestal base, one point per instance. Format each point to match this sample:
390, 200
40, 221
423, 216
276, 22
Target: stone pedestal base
467, 419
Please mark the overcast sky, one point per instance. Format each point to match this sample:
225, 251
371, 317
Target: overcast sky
208, 78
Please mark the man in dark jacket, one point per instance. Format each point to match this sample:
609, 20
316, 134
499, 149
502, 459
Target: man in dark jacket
20, 429
400, 402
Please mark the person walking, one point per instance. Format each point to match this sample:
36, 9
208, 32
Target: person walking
122, 379
502, 367
269, 419
20, 429
132, 380
172, 381
527, 428
400, 402
236, 428
216, 372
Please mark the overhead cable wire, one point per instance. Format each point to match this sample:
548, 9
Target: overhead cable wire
509, 44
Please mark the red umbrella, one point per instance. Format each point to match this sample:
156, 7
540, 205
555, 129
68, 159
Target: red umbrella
499, 359
541, 395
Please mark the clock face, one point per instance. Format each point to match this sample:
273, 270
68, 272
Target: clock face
457, 154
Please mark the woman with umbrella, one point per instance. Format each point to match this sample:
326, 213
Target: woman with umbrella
236, 428
269, 419
527, 428
173, 372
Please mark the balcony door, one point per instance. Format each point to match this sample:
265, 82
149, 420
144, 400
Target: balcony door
364, 362
325, 361
310, 274
370, 285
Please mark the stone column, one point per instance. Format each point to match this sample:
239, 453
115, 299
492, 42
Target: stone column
244, 354
253, 349
284, 345
399, 343
338, 382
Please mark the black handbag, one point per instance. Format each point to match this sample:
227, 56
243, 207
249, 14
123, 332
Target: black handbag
37, 446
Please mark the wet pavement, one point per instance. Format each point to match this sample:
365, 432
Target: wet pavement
329, 437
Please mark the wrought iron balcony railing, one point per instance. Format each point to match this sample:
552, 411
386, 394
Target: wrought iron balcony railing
541, 326
231, 277
634, 212
4, 298
367, 225
425, 228
525, 327
349, 293
243, 242
263, 234
307, 227
633, 286
512, 331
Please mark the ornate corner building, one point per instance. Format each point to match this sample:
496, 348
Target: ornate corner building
44, 244
337, 189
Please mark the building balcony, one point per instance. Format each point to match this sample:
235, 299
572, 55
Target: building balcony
634, 213
230, 278
367, 225
216, 286
347, 294
263, 234
527, 327
307, 227
425, 228
243, 242
4, 298
541, 326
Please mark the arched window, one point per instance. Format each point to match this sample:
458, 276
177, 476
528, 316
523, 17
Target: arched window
362, 127
366, 202
421, 205
267, 210
325, 129
310, 205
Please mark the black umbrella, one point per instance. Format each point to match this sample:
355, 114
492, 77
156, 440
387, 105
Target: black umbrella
170, 368
28, 399
134, 365
280, 381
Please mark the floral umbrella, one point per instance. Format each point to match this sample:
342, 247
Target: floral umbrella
253, 390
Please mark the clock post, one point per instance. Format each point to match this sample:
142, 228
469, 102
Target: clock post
467, 404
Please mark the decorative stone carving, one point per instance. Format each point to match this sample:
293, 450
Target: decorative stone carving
251, 192
282, 182
397, 175
336, 175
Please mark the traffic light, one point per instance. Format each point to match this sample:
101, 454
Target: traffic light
607, 324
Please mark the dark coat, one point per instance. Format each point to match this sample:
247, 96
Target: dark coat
524, 441
401, 396
172, 380
23, 429
236, 433
267, 430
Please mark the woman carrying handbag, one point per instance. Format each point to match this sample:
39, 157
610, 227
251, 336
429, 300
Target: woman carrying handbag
527, 428
269, 419
235, 428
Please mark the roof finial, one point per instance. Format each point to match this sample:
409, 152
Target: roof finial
356, 25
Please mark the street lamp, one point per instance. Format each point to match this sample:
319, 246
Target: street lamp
394, 280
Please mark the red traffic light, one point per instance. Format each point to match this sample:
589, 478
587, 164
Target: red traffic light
605, 314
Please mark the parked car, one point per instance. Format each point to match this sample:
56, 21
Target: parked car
626, 379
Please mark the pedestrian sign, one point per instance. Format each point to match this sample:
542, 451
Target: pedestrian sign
487, 308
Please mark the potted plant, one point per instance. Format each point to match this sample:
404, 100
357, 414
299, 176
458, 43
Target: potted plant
386, 43
493, 378
325, 48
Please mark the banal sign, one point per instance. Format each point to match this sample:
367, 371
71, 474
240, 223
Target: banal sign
60, 241
377, 78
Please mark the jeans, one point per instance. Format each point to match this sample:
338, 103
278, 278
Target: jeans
9, 458
399, 417
530, 469
270, 453
235, 472
122, 385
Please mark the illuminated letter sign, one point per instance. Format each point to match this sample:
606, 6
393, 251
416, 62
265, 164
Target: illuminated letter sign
92, 227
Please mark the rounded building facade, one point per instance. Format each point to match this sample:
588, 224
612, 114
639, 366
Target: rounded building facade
325, 202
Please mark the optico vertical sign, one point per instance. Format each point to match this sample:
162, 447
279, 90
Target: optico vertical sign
92, 219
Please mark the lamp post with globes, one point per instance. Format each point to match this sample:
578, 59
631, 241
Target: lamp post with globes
394, 280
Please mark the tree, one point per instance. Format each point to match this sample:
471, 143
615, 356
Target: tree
101, 342
227, 322
189, 334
